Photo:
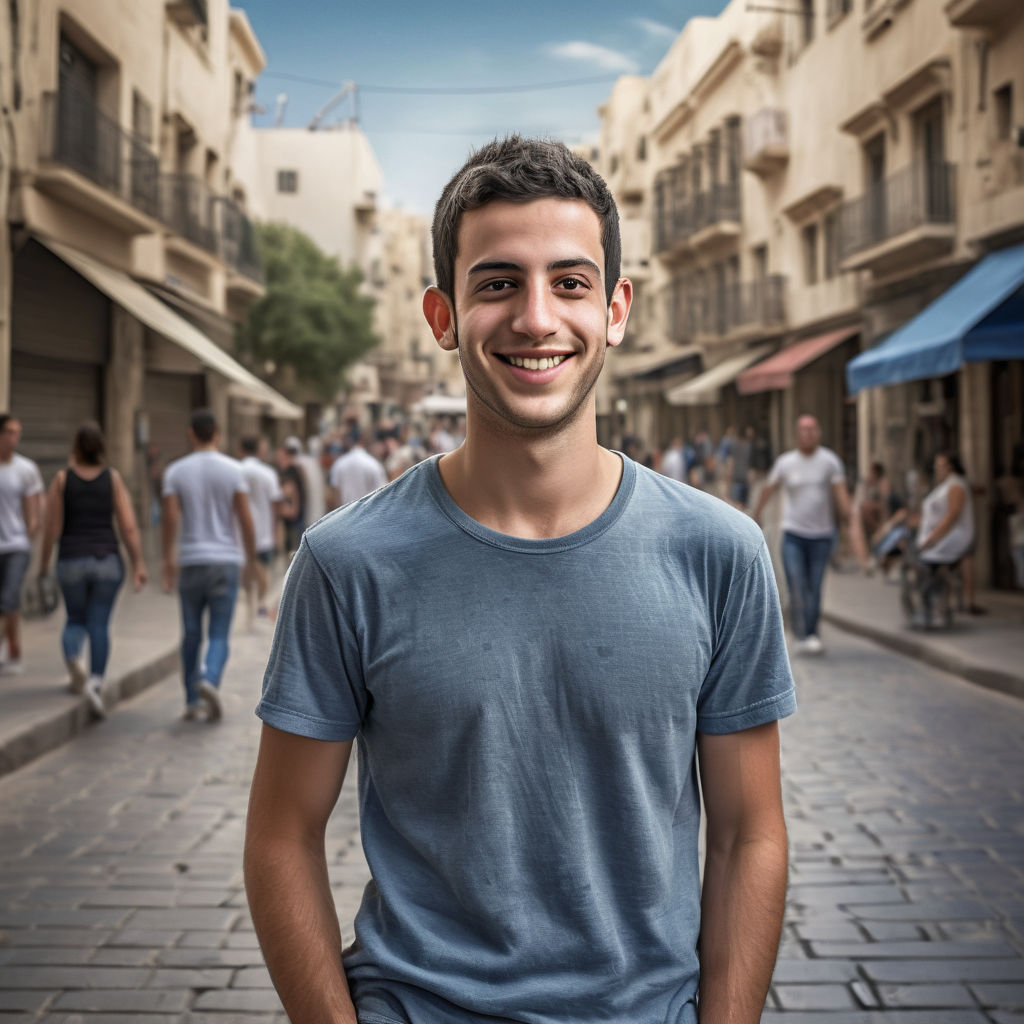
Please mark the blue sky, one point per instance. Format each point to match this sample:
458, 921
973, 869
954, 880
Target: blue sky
421, 140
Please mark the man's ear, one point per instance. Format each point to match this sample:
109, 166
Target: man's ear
618, 310
438, 310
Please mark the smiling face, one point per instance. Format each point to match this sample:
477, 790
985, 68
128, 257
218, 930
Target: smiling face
531, 321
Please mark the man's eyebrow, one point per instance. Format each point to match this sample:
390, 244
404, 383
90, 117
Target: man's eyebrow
566, 264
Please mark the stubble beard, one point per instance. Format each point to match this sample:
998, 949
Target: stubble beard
508, 422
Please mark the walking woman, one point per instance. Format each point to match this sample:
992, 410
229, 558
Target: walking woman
82, 505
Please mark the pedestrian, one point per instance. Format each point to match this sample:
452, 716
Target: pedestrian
813, 486
739, 468
531, 637
205, 492
673, 462
356, 473
84, 502
293, 488
21, 489
945, 537
265, 500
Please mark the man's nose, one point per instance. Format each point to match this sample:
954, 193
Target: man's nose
536, 314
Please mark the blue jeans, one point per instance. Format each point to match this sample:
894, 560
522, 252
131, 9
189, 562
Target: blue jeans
213, 586
90, 587
804, 560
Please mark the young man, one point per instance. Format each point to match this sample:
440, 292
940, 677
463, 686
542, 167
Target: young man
206, 493
814, 487
265, 500
529, 638
21, 496
354, 474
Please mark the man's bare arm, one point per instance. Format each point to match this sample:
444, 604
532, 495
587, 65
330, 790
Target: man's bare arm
765, 496
294, 789
744, 894
169, 516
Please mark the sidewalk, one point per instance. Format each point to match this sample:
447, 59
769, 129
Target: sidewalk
985, 649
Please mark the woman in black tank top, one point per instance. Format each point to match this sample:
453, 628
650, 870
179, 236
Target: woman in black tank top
83, 504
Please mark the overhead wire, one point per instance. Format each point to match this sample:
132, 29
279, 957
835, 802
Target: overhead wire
456, 90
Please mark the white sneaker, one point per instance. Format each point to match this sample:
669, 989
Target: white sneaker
191, 713
210, 696
76, 669
12, 667
812, 645
94, 696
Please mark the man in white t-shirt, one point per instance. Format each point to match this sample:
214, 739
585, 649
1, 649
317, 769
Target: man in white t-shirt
813, 489
265, 498
355, 474
21, 489
207, 494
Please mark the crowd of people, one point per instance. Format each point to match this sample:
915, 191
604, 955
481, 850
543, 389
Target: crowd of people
222, 521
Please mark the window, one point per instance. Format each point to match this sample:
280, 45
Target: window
1003, 109
142, 117
830, 242
287, 181
806, 21
838, 9
641, 148
760, 260
809, 238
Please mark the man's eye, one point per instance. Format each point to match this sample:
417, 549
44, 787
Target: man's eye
573, 284
496, 286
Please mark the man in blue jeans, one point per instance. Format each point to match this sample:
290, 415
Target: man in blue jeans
207, 494
813, 489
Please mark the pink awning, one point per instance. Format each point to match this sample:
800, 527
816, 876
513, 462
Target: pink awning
776, 372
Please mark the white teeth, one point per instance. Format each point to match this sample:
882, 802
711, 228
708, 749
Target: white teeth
536, 364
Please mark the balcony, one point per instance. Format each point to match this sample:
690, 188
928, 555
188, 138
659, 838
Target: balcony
767, 142
187, 12
905, 219
673, 214
716, 215
238, 247
980, 13
187, 208
88, 162
740, 311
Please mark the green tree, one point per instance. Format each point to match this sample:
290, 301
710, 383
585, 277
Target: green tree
312, 316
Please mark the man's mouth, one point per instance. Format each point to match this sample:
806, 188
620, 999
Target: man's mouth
530, 363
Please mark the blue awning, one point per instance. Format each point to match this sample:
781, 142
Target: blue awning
979, 319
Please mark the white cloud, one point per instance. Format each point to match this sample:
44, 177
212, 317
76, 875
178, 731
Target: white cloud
606, 58
655, 28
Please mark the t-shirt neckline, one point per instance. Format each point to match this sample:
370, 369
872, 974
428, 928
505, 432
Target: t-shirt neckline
529, 545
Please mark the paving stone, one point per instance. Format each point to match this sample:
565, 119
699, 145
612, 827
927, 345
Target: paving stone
194, 978
886, 931
913, 950
922, 996
18, 999
1005, 997
877, 1017
124, 1000
185, 919
51, 978
252, 977
814, 997
253, 1000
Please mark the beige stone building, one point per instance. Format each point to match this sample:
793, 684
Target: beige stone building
133, 254
815, 179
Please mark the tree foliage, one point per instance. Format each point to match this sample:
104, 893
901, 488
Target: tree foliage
312, 316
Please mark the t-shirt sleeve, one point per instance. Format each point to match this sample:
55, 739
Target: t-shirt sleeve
33, 480
775, 474
838, 473
313, 684
749, 681
170, 476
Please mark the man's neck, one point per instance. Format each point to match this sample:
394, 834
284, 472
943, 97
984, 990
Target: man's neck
211, 447
547, 486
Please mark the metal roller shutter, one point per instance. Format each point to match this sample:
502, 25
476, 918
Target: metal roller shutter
168, 399
52, 398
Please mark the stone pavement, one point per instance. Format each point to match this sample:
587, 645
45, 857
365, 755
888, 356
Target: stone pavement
121, 898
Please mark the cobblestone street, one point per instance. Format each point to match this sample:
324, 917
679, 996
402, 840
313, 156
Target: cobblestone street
121, 894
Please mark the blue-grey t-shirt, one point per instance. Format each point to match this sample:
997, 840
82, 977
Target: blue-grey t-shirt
526, 714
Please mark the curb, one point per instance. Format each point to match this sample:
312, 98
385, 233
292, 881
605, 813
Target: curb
47, 734
914, 647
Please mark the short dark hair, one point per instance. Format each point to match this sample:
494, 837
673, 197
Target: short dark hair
519, 170
955, 462
203, 424
89, 445
5, 418
250, 444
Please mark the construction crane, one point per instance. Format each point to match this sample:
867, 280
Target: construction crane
348, 89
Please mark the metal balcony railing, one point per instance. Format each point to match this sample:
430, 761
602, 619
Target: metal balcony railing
238, 240
721, 202
187, 208
768, 129
678, 216
76, 133
722, 311
922, 193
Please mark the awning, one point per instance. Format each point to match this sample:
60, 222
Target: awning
148, 309
776, 372
979, 319
705, 389
441, 405
631, 365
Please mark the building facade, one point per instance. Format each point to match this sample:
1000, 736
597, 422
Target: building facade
131, 255
815, 178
